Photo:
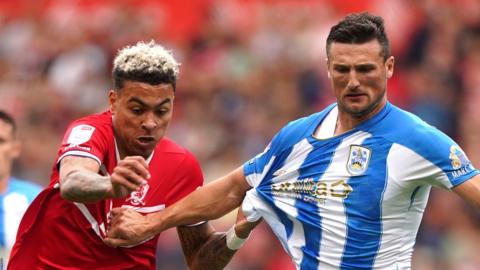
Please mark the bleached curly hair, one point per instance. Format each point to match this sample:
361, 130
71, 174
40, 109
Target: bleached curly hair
144, 62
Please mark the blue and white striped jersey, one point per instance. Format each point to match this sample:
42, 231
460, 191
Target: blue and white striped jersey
352, 201
13, 204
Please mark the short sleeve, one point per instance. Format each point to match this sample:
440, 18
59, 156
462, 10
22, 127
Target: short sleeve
256, 168
189, 177
84, 139
455, 165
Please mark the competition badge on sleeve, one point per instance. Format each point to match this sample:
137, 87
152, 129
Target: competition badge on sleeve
80, 134
358, 160
460, 162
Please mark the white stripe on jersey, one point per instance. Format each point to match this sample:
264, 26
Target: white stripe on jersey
79, 153
149, 209
98, 229
14, 206
254, 179
333, 212
404, 167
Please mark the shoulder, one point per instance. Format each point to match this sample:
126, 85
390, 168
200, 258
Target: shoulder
408, 130
100, 120
301, 128
167, 145
403, 127
172, 152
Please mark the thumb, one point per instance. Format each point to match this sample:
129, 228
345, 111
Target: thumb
114, 242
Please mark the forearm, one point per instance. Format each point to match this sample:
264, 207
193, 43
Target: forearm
204, 248
213, 255
84, 187
209, 202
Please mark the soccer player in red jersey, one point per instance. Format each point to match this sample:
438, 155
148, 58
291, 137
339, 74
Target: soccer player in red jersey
118, 158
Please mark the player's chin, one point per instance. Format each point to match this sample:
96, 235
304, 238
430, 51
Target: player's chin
144, 148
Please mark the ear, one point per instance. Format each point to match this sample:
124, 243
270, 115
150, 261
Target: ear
112, 100
389, 64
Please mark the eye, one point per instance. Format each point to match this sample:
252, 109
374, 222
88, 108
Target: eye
341, 69
365, 69
136, 110
161, 112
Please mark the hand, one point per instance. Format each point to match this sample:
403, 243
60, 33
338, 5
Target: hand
129, 174
127, 228
242, 226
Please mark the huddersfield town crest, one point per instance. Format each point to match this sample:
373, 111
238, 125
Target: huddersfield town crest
358, 159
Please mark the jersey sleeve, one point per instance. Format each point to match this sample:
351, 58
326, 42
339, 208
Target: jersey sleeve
85, 140
256, 168
448, 163
188, 179
455, 167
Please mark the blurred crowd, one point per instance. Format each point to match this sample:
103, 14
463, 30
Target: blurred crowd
248, 67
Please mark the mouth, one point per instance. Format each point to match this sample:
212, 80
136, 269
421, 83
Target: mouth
355, 95
146, 140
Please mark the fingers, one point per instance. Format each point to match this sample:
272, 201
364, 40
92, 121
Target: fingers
127, 178
137, 164
115, 242
130, 173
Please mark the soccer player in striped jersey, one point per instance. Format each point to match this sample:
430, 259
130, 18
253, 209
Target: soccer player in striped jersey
344, 188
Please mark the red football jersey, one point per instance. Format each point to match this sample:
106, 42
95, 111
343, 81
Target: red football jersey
56, 233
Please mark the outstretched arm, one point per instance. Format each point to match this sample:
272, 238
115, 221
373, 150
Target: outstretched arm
470, 191
209, 202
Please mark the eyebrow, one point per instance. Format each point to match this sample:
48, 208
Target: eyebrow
141, 102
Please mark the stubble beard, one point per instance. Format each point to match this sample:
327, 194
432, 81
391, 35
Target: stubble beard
363, 112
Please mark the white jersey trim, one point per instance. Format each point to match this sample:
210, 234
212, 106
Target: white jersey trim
146, 210
79, 153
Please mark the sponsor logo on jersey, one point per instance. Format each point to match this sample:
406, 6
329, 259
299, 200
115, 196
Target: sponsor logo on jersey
279, 172
358, 159
310, 190
460, 162
80, 134
138, 197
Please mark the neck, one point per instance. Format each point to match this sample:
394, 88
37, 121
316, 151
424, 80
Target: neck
347, 121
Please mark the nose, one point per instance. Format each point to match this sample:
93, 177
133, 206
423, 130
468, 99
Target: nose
353, 82
149, 123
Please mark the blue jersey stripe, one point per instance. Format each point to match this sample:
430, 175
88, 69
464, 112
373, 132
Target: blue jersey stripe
321, 156
364, 209
265, 190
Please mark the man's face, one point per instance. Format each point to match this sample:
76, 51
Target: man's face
359, 76
141, 114
9, 149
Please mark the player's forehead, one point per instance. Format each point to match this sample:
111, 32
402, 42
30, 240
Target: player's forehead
146, 94
351, 54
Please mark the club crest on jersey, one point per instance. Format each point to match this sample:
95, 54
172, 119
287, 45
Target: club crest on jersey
138, 197
358, 159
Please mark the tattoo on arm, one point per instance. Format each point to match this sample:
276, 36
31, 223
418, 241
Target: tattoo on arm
204, 248
85, 186
80, 181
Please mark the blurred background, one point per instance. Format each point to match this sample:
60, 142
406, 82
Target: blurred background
248, 67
